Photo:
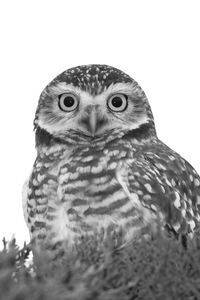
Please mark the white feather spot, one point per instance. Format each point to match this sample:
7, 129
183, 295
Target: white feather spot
140, 192
148, 187
171, 157
38, 192
137, 174
35, 183
97, 169
42, 200
192, 224
51, 182
101, 187
112, 166
114, 153
84, 170
74, 176
198, 200
191, 178
183, 212
162, 188
122, 154
147, 197
198, 218
77, 184
191, 212
41, 208
154, 207
100, 180
173, 182
31, 201
47, 165
190, 202
176, 226
196, 182
63, 170
64, 177
160, 166
88, 158
39, 165
177, 202
29, 191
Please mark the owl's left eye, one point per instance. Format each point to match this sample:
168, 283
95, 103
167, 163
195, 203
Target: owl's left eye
118, 102
67, 102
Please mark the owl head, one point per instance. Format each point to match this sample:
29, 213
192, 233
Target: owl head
92, 102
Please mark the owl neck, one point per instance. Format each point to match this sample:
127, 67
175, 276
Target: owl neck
144, 132
139, 135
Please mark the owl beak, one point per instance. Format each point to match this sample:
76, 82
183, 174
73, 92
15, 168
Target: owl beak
93, 122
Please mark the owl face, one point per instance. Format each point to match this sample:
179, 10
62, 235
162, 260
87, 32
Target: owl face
92, 101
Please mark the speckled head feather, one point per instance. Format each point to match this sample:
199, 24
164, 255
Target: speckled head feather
93, 78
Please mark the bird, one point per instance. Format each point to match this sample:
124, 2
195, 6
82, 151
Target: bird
100, 166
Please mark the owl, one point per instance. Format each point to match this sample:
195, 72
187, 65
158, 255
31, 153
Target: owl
100, 166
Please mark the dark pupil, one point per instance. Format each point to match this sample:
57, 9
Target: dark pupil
117, 102
69, 101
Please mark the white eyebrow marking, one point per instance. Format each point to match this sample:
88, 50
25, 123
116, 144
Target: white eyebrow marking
62, 87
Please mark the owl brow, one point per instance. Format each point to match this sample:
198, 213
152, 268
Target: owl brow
62, 87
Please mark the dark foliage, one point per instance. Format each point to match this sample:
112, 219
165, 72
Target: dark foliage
150, 269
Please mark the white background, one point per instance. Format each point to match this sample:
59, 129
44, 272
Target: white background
156, 42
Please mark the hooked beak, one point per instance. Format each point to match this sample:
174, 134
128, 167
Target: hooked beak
92, 120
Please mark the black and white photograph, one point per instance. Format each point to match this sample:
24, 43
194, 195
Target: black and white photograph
100, 150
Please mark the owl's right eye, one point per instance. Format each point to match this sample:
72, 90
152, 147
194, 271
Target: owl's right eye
67, 102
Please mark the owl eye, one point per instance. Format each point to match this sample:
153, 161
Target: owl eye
67, 102
118, 102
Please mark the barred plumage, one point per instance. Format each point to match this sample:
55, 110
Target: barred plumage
103, 168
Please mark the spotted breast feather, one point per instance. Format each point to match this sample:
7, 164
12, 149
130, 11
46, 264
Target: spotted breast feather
118, 187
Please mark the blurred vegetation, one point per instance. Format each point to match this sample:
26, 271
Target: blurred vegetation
160, 268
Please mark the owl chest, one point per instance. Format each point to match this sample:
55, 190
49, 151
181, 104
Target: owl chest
84, 195
89, 195
86, 181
